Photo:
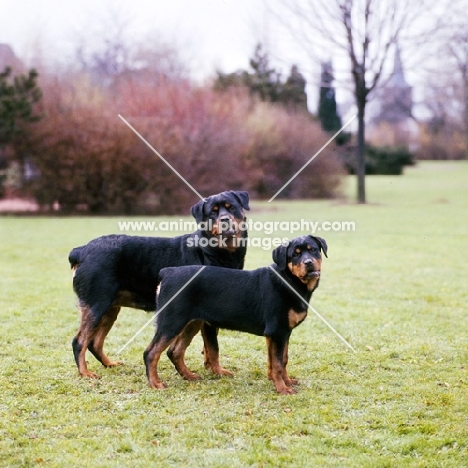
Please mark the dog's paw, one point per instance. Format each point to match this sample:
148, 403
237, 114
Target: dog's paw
223, 371
291, 381
157, 384
89, 374
218, 370
283, 389
191, 376
113, 364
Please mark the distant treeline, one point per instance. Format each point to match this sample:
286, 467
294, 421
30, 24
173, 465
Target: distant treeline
81, 157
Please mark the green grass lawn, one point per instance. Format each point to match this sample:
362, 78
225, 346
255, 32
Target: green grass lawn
395, 288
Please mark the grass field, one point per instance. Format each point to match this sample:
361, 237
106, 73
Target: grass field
395, 288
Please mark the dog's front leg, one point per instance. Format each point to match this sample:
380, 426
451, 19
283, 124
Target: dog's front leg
276, 368
289, 381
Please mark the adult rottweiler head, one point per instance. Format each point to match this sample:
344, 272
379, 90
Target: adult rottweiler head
302, 258
222, 216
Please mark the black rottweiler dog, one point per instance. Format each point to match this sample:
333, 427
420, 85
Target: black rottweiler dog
117, 271
268, 301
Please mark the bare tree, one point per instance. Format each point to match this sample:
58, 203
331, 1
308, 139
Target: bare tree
108, 53
111, 53
362, 32
445, 102
458, 47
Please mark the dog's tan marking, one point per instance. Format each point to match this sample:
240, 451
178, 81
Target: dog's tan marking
126, 299
312, 283
276, 368
151, 356
295, 318
212, 358
83, 338
176, 351
74, 267
298, 270
96, 346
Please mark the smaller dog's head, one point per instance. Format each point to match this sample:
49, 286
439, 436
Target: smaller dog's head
222, 215
302, 258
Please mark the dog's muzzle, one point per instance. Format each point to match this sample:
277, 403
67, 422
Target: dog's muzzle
228, 227
311, 272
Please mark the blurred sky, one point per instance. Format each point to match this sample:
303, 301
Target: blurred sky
216, 33
211, 34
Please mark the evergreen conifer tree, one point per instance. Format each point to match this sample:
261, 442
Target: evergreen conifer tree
327, 111
18, 95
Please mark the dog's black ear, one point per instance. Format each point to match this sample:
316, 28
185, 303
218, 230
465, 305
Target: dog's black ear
323, 244
197, 211
280, 256
243, 198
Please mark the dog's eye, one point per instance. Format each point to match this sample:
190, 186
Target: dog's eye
231, 208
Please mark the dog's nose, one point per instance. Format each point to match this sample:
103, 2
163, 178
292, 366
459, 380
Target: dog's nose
225, 224
309, 264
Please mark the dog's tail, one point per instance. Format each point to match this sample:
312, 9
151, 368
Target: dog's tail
74, 256
163, 273
158, 297
161, 277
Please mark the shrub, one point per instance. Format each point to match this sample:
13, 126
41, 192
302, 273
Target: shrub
87, 159
441, 142
200, 132
84, 159
280, 144
387, 160
380, 160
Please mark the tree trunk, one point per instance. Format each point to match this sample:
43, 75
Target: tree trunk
465, 96
360, 156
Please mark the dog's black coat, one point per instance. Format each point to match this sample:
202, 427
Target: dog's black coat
257, 302
120, 270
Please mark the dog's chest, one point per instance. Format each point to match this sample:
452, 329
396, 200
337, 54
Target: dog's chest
295, 318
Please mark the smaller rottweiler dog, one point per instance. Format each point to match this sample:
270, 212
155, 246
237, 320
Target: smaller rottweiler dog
269, 301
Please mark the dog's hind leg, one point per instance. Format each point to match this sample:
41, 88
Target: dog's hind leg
176, 351
151, 357
211, 350
81, 341
96, 345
